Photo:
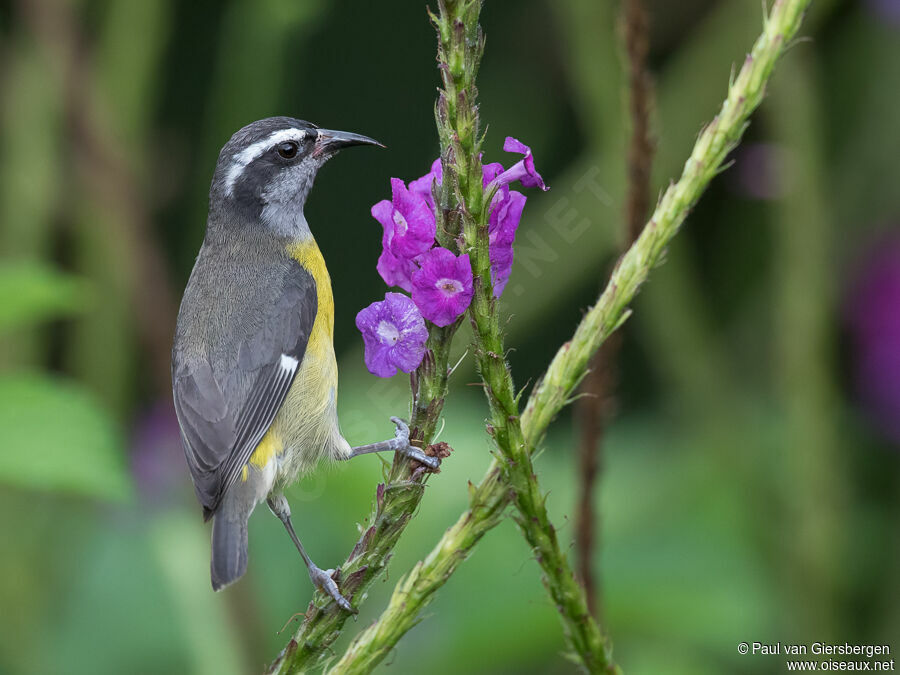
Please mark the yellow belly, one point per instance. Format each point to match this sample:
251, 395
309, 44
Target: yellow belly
306, 427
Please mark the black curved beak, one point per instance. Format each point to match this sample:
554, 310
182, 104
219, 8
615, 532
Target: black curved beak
330, 141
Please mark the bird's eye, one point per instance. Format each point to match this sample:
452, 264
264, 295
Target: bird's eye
288, 149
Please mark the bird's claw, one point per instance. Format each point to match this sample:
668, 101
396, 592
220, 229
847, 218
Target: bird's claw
402, 433
323, 580
401, 437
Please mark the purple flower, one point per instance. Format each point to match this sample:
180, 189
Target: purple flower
490, 171
156, 454
506, 212
441, 283
523, 170
394, 334
423, 186
442, 288
885, 10
396, 271
762, 171
408, 222
501, 267
874, 322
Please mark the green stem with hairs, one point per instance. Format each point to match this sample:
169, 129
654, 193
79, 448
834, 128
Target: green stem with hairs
489, 498
715, 142
460, 44
591, 648
582, 632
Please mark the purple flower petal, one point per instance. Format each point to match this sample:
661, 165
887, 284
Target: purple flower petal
501, 266
490, 171
506, 212
423, 186
413, 222
408, 222
522, 171
442, 288
383, 212
394, 334
396, 271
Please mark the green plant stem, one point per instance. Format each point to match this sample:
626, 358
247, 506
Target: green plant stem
488, 499
459, 123
707, 157
591, 648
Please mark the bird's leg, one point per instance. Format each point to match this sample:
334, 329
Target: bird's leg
320, 578
399, 443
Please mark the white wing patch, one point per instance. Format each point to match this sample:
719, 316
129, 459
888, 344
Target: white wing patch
289, 363
251, 152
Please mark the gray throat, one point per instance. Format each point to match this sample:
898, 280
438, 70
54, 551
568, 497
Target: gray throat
286, 220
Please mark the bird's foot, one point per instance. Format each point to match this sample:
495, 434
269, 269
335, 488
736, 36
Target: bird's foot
401, 444
323, 580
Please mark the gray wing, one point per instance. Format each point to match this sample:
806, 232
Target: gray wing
226, 405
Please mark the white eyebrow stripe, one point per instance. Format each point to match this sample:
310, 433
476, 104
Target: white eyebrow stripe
251, 152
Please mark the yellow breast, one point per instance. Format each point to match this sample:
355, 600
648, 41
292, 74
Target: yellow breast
310, 257
306, 418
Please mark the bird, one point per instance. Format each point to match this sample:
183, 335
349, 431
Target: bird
254, 374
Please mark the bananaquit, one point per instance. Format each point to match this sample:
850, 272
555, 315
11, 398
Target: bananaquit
254, 375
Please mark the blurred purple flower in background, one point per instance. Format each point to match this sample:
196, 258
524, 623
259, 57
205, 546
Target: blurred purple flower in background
761, 171
439, 281
873, 317
157, 458
394, 334
885, 9
442, 287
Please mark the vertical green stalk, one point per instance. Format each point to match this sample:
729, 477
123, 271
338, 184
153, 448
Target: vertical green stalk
460, 46
582, 632
460, 49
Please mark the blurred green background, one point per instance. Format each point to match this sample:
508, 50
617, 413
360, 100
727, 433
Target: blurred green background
750, 485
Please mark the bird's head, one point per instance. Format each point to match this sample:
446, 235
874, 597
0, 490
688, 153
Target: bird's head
266, 170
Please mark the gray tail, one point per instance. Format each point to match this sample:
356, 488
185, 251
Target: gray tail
229, 548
